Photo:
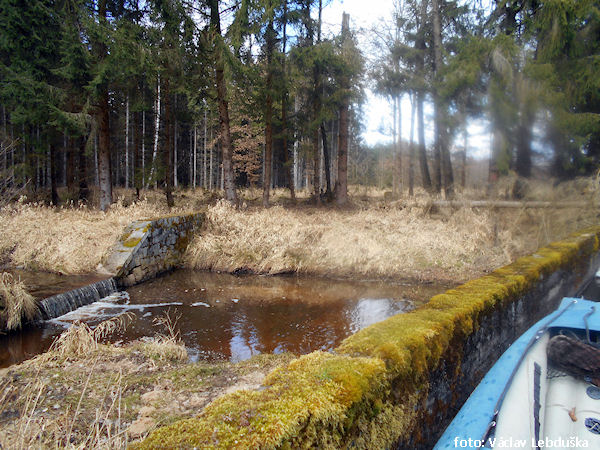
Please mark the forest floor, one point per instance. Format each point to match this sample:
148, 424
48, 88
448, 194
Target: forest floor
86, 394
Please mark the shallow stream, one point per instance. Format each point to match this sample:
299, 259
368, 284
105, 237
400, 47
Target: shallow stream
227, 317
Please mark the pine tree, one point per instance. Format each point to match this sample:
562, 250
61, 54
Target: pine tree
215, 23
29, 56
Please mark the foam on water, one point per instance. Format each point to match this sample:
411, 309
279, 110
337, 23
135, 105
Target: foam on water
107, 307
201, 304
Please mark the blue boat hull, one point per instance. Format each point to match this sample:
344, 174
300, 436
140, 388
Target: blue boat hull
477, 415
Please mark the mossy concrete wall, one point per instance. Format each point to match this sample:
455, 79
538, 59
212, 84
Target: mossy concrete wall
150, 247
397, 383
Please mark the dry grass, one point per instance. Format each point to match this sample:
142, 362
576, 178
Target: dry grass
95, 414
69, 239
35, 426
387, 239
91, 395
376, 236
373, 242
80, 340
16, 304
166, 346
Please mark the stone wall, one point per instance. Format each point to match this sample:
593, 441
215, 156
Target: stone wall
148, 248
397, 383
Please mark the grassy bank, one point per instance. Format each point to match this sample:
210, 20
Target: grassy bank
67, 240
376, 236
383, 239
85, 394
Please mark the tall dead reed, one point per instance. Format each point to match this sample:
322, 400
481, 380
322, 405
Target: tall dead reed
71, 239
16, 304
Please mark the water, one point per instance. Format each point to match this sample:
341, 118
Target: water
61, 304
226, 317
45, 284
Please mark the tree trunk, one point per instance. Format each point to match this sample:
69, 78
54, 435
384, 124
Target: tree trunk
204, 179
523, 161
437, 52
102, 112
316, 166
425, 177
2, 142
83, 183
420, 45
341, 190
137, 137
215, 21
328, 192
463, 175
96, 170
195, 150
284, 101
175, 180
316, 112
341, 187
53, 185
104, 173
443, 164
168, 153
156, 131
270, 38
143, 148
211, 168
398, 166
394, 144
411, 157
127, 142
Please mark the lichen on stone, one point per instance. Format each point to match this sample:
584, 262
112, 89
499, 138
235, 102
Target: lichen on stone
131, 242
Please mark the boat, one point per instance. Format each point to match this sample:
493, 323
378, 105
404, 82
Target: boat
544, 390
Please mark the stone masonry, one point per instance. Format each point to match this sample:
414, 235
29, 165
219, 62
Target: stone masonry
150, 247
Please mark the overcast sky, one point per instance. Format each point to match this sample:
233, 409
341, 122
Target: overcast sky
365, 15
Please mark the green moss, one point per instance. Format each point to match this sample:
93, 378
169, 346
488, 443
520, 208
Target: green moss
297, 401
371, 393
194, 374
131, 242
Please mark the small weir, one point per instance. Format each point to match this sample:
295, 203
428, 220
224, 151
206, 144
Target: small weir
61, 304
227, 317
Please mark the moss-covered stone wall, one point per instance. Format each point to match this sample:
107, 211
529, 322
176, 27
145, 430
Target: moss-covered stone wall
148, 248
396, 383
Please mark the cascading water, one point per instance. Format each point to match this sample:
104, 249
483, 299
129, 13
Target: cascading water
60, 304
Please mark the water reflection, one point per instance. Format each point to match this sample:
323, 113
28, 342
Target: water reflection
232, 317
368, 311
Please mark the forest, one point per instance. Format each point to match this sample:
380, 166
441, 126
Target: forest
254, 93
200, 246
